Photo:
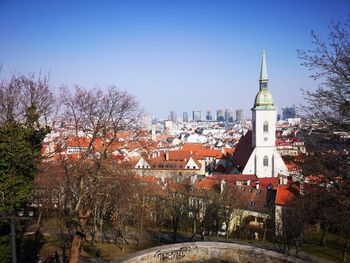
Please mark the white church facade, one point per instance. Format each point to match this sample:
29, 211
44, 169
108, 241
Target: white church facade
256, 152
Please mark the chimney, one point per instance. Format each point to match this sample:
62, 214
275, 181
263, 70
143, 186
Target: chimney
257, 185
283, 180
193, 179
222, 185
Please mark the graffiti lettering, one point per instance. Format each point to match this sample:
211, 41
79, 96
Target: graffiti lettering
173, 254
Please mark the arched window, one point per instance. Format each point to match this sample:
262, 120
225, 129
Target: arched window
266, 161
266, 126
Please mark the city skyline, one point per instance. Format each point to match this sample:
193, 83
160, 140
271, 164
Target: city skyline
180, 56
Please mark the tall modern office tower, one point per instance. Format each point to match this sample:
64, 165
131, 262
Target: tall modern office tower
173, 117
240, 116
196, 115
288, 112
228, 115
220, 115
209, 116
185, 117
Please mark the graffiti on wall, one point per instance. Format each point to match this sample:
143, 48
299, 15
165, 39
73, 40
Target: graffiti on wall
172, 254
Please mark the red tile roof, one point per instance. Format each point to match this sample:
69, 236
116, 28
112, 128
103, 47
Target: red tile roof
243, 151
285, 193
265, 182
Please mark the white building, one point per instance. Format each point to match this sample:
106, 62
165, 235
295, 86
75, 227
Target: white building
257, 153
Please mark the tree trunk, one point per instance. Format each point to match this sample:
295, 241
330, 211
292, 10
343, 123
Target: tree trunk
40, 217
140, 233
159, 233
78, 236
323, 237
345, 249
175, 225
193, 228
226, 235
265, 229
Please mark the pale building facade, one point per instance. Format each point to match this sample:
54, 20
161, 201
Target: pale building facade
264, 161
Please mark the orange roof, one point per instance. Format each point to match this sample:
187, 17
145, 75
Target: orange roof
285, 193
265, 182
173, 160
207, 183
192, 146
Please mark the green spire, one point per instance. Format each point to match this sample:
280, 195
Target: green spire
263, 71
263, 99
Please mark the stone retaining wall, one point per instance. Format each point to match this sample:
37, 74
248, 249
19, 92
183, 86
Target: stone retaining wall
207, 252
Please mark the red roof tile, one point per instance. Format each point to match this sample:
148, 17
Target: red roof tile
243, 151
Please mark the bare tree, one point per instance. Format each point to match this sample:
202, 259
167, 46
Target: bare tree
95, 117
24, 95
327, 117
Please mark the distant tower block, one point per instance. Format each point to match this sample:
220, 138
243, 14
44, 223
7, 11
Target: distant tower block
185, 117
209, 116
173, 116
240, 116
196, 115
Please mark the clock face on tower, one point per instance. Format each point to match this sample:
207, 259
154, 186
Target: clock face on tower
265, 139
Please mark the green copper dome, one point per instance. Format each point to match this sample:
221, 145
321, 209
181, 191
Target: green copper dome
264, 100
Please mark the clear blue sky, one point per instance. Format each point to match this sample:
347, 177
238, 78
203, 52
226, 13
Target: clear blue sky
172, 55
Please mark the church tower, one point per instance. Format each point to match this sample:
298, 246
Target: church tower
264, 112
264, 160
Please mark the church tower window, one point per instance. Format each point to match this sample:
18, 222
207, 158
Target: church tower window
266, 161
266, 126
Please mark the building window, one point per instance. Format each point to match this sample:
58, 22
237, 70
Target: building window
266, 126
266, 161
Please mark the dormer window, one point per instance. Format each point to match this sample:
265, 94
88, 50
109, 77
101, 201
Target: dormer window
266, 126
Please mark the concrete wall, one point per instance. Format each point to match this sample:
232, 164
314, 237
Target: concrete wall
207, 252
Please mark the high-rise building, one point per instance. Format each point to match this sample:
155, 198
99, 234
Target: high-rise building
209, 117
173, 117
240, 116
185, 117
220, 115
228, 115
288, 112
196, 115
